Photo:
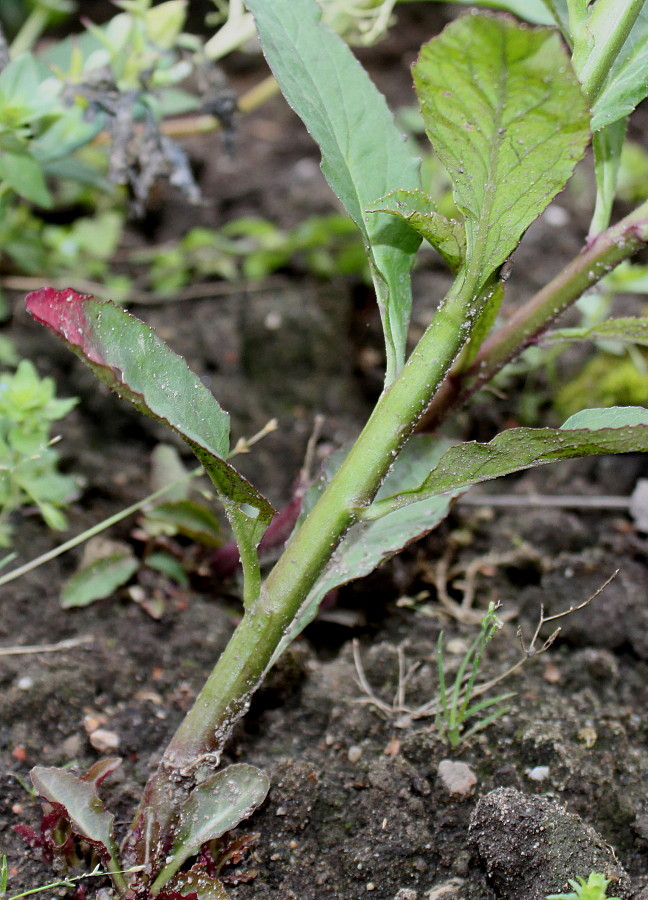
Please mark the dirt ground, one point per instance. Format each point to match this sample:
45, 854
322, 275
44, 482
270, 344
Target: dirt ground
365, 801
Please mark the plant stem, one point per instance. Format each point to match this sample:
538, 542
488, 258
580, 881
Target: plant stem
32, 28
226, 694
526, 326
611, 27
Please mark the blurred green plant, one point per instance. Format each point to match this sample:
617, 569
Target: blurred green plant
595, 888
28, 463
326, 246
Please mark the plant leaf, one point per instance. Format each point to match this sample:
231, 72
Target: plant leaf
367, 544
126, 354
25, 176
189, 518
97, 580
215, 806
618, 429
193, 884
534, 11
76, 799
630, 330
363, 154
627, 82
419, 211
607, 145
506, 116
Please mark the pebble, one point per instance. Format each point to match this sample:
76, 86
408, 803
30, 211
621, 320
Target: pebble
538, 773
105, 741
406, 894
354, 753
25, 683
456, 778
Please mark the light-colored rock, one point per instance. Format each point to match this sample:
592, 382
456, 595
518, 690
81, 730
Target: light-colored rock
456, 778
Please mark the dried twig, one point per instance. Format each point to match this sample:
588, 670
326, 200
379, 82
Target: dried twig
68, 644
405, 714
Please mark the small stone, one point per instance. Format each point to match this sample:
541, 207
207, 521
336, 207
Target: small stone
71, 746
406, 894
92, 721
25, 683
538, 773
19, 753
456, 778
354, 753
104, 741
393, 747
552, 674
371, 886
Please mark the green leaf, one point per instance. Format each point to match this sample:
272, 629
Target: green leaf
77, 799
367, 544
533, 11
25, 176
168, 565
621, 429
99, 579
607, 145
193, 884
363, 154
629, 330
419, 211
506, 115
215, 806
186, 517
126, 354
627, 82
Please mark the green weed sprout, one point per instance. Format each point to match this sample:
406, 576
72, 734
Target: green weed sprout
454, 708
594, 889
28, 463
509, 115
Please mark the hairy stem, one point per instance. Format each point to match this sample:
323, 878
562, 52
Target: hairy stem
242, 665
527, 325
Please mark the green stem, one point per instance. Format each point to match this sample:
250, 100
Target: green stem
526, 326
611, 27
32, 28
226, 694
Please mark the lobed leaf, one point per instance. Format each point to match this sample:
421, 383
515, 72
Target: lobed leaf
215, 806
621, 429
506, 116
363, 154
126, 354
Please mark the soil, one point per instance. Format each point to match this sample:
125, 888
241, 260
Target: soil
366, 801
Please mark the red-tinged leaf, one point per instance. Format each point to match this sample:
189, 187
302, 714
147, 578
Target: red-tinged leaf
101, 769
215, 806
76, 800
127, 355
33, 839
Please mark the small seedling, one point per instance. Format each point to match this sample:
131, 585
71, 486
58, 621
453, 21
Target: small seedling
454, 706
28, 463
595, 888
510, 111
